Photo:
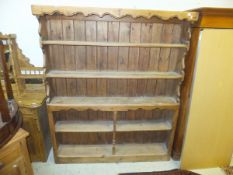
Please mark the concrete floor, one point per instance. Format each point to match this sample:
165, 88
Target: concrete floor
50, 168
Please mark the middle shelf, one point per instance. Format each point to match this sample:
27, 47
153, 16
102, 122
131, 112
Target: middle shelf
107, 126
58, 103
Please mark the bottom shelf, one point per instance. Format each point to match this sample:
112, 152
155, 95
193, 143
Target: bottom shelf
103, 153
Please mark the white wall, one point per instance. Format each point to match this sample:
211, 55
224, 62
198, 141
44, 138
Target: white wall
16, 16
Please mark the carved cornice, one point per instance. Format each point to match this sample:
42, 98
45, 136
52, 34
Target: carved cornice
116, 13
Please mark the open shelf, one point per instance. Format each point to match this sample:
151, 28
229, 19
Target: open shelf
143, 125
84, 126
113, 44
113, 74
112, 103
103, 153
107, 126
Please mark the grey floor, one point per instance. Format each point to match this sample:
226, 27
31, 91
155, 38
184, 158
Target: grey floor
50, 168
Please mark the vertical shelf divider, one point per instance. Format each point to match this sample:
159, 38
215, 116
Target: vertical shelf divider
114, 132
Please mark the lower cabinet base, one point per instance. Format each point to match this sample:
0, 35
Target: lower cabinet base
35, 121
106, 153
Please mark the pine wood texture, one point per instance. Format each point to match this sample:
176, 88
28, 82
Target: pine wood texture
185, 95
35, 121
111, 44
117, 13
113, 75
103, 153
14, 157
30, 98
10, 120
112, 103
113, 81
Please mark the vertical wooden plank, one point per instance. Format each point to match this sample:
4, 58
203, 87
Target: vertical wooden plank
135, 33
124, 35
113, 34
57, 54
91, 56
80, 55
163, 62
114, 132
70, 63
51, 63
133, 56
102, 32
164, 56
143, 64
173, 60
43, 32
154, 57
91, 30
144, 56
102, 60
123, 52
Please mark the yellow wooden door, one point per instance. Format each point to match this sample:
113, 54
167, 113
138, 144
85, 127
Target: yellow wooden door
209, 134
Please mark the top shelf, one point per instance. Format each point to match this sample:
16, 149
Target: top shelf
114, 74
112, 44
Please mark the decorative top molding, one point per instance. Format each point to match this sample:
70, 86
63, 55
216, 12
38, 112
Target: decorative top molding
215, 18
116, 13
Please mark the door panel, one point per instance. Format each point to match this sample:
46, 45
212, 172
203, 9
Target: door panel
209, 133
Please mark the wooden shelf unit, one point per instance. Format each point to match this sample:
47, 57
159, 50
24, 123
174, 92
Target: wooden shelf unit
113, 81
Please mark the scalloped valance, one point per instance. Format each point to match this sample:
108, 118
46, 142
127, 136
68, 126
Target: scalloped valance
116, 13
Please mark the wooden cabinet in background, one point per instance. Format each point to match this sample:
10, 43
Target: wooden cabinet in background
32, 106
209, 132
30, 97
14, 157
